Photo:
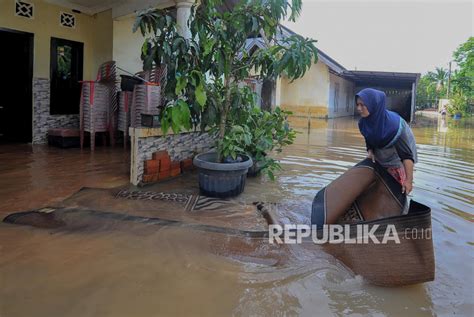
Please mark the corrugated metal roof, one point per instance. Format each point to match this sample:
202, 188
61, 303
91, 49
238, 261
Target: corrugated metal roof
385, 75
382, 78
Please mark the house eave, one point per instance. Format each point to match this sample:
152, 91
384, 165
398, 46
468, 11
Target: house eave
120, 8
398, 79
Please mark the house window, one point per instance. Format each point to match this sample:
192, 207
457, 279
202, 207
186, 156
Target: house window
24, 9
67, 20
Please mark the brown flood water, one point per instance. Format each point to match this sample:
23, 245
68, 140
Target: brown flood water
147, 270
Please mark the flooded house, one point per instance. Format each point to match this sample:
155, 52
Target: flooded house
53, 46
65, 42
115, 253
327, 89
48, 47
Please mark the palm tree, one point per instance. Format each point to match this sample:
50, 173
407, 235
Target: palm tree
438, 77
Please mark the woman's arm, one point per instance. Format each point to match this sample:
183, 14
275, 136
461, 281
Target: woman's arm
406, 149
370, 151
371, 155
408, 185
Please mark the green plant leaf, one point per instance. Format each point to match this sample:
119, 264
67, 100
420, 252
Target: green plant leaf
271, 175
181, 83
201, 96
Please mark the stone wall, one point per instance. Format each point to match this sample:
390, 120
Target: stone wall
42, 120
179, 146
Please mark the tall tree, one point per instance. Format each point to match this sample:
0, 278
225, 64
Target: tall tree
463, 79
438, 77
426, 94
206, 71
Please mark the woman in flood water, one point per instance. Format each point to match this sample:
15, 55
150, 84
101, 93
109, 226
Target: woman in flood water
389, 139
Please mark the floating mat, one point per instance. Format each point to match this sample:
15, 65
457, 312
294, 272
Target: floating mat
411, 261
367, 195
81, 219
150, 207
365, 192
244, 245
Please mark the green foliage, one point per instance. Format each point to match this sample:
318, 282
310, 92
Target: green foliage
458, 104
426, 94
256, 133
269, 131
235, 142
205, 72
64, 54
438, 77
185, 85
463, 79
176, 116
431, 88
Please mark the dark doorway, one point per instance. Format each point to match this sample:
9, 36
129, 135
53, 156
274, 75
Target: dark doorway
16, 63
66, 72
267, 94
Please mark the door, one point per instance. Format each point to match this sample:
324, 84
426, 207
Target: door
66, 72
16, 103
267, 94
336, 97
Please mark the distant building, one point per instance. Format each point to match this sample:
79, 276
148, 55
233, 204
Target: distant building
327, 89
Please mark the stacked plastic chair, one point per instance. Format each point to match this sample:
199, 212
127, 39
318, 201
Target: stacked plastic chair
98, 107
107, 75
157, 75
148, 97
146, 100
125, 105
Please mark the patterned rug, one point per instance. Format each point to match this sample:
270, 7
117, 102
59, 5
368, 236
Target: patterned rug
99, 206
188, 201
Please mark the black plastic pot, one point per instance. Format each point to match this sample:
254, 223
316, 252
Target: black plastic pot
221, 179
255, 169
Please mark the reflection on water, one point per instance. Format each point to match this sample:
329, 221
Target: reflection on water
149, 270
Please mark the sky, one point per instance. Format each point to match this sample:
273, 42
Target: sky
385, 35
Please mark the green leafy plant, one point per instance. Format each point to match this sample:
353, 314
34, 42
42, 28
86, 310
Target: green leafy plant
205, 72
463, 82
438, 77
426, 94
458, 104
64, 56
267, 131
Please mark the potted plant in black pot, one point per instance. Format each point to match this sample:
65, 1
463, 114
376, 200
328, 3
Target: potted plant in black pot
269, 131
205, 75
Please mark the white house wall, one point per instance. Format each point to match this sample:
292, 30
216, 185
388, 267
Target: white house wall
127, 45
306, 97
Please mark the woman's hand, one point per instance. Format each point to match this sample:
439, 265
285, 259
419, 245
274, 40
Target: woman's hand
370, 155
407, 187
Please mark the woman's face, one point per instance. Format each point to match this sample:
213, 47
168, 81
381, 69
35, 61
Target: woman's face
362, 109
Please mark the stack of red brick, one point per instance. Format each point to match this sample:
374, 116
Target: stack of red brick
161, 167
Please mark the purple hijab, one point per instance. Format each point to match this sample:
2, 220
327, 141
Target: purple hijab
382, 125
